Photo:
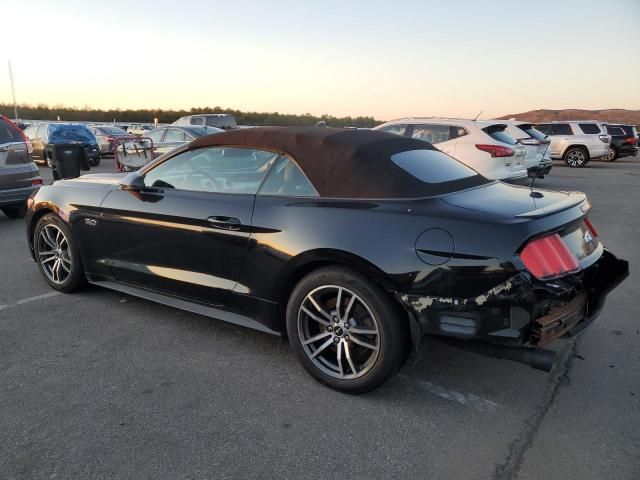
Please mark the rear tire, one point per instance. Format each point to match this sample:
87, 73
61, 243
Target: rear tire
612, 156
57, 255
576, 157
354, 345
17, 211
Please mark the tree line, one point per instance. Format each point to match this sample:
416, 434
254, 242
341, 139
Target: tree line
87, 114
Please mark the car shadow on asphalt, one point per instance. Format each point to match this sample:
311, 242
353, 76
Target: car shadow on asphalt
442, 371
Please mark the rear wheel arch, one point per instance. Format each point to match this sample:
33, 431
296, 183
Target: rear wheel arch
317, 259
307, 262
577, 145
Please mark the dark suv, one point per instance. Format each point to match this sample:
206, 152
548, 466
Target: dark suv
19, 176
51, 133
624, 141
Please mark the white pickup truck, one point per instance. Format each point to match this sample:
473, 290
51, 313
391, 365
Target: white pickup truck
576, 142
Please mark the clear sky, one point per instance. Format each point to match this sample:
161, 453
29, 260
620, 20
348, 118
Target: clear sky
346, 57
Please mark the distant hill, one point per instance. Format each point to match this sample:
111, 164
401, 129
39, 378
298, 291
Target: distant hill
611, 115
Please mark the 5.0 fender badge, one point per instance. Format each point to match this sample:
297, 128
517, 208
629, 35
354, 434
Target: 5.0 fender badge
90, 221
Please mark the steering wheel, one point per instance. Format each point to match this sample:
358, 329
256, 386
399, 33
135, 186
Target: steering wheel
210, 182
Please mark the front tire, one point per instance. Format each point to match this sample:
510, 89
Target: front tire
345, 330
576, 157
57, 255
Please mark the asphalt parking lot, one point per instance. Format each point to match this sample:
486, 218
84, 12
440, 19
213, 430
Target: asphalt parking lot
102, 385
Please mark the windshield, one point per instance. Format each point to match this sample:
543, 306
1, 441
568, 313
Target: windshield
61, 133
532, 132
498, 133
110, 131
8, 133
226, 122
201, 131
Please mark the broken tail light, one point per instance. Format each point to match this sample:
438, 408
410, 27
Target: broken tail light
549, 257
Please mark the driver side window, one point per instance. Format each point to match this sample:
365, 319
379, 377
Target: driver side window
213, 170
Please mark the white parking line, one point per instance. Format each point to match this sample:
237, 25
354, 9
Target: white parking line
31, 299
466, 399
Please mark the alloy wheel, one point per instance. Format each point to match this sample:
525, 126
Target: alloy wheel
338, 332
611, 155
53, 254
576, 158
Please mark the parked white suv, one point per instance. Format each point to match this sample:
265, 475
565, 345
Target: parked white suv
576, 142
484, 146
139, 129
538, 160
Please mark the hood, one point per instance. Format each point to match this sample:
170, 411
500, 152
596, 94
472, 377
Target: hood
96, 179
514, 202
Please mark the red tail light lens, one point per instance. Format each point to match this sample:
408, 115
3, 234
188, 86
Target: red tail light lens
631, 140
36, 181
592, 229
549, 257
496, 151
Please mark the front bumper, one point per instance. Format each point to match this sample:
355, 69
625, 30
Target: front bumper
106, 147
522, 311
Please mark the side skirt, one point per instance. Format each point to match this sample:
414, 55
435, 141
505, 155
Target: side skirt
182, 304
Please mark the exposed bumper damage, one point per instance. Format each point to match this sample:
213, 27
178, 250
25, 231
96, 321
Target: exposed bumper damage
522, 311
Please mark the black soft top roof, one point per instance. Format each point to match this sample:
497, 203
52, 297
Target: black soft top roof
344, 163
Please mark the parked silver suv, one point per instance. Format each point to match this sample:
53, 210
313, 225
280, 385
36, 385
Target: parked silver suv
19, 176
576, 142
225, 121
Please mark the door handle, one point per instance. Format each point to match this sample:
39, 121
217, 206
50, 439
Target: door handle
225, 223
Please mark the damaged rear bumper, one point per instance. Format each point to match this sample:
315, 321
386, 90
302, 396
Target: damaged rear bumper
522, 311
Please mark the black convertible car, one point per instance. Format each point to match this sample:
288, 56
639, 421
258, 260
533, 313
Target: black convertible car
353, 243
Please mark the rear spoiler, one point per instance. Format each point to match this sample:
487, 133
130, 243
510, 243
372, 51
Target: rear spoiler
573, 199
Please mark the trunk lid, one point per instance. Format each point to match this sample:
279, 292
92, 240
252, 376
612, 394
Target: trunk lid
513, 203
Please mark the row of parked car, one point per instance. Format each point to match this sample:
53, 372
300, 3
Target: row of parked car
98, 140
507, 150
514, 150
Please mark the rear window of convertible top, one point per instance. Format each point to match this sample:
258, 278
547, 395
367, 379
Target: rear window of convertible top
432, 166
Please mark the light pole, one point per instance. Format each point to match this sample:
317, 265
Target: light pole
13, 93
